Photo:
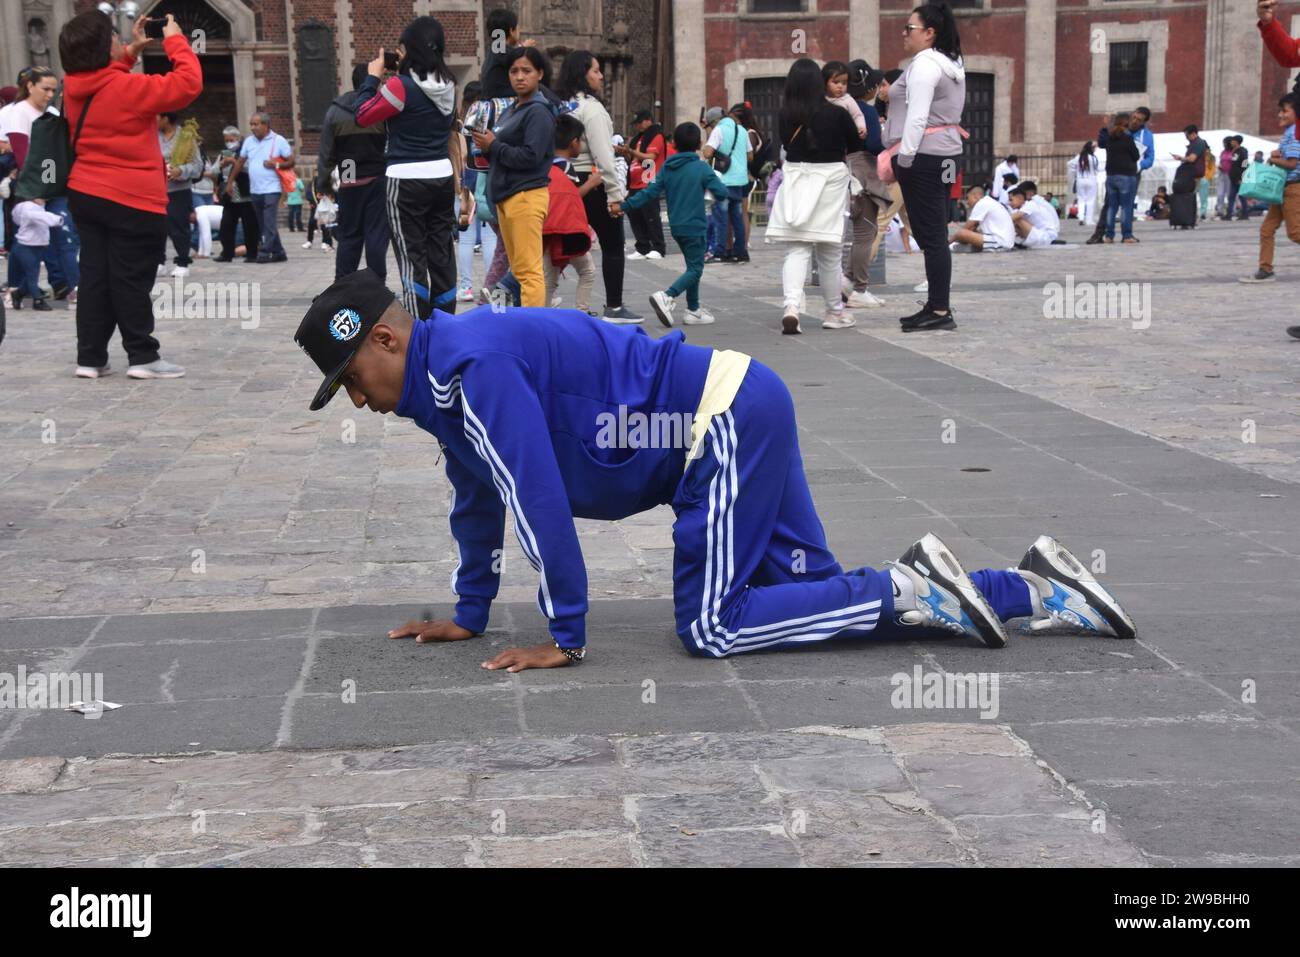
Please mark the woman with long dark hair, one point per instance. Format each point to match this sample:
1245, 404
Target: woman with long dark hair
418, 104
923, 126
116, 189
1082, 172
520, 153
808, 213
582, 82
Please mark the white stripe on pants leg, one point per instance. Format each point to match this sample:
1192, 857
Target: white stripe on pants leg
408, 296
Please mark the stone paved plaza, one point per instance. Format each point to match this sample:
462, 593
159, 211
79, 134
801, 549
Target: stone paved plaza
230, 563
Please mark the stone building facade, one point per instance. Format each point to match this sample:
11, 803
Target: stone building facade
291, 57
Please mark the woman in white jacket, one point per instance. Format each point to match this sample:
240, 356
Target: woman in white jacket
808, 212
1083, 174
582, 82
923, 126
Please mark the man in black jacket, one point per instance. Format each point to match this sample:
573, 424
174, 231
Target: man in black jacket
358, 152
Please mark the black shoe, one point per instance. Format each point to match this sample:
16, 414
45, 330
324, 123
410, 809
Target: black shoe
282, 258
42, 305
1093, 241
930, 320
1293, 332
16, 298
61, 292
739, 259
907, 320
224, 259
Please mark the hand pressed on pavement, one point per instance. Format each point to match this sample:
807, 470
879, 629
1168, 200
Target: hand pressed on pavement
521, 659
423, 631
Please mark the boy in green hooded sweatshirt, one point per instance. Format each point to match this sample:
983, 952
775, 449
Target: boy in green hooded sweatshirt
684, 178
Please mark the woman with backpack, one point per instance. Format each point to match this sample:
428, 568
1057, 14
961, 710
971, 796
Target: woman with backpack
418, 106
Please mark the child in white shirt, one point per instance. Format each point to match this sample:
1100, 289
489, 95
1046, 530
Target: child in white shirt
30, 241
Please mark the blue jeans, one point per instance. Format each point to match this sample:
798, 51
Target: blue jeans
266, 206
1120, 193
689, 282
28, 259
731, 209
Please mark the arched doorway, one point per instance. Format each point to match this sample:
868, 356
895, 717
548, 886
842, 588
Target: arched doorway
219, 31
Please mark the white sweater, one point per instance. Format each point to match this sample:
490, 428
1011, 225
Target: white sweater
34, 223
599, 140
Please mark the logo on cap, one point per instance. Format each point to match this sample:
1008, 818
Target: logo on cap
345, 325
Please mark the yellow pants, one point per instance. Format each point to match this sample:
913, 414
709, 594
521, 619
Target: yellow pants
520, 218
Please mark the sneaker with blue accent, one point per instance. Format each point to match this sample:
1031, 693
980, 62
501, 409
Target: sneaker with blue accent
932, 590
1066, 596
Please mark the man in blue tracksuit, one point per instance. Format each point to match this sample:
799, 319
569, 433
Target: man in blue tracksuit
548, 414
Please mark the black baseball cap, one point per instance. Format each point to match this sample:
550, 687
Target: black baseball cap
337, 323
642, 115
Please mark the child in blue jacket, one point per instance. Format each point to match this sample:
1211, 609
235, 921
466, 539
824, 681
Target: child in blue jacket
684, 178
550, 414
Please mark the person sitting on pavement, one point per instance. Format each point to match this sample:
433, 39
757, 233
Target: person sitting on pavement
551, 415
1035, 221
988, 227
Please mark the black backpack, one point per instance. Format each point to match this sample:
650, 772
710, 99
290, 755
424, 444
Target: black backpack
50, 155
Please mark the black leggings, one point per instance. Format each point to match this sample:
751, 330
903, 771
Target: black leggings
925, 193
609, 232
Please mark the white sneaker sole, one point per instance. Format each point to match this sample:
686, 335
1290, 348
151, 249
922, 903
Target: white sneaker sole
140, 374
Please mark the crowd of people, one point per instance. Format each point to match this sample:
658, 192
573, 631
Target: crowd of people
525, 169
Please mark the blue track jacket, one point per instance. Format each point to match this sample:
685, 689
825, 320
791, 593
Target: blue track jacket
522, 401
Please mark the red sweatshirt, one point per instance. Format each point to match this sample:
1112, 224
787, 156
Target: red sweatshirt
1284, 48
118, 157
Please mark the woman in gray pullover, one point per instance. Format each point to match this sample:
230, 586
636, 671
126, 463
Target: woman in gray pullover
926, 104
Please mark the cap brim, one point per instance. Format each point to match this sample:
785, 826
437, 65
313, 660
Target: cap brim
329, 386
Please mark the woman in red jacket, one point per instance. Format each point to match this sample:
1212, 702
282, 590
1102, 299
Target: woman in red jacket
117, 190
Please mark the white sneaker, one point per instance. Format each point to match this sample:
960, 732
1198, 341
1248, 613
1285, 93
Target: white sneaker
555, 303
180, 272
307, 244
464, 294
634, 255
864, 300
162, 269
790, 324
662, 304
923, 286
90, 372
654, 254
838, 320
698, 317
158, 369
